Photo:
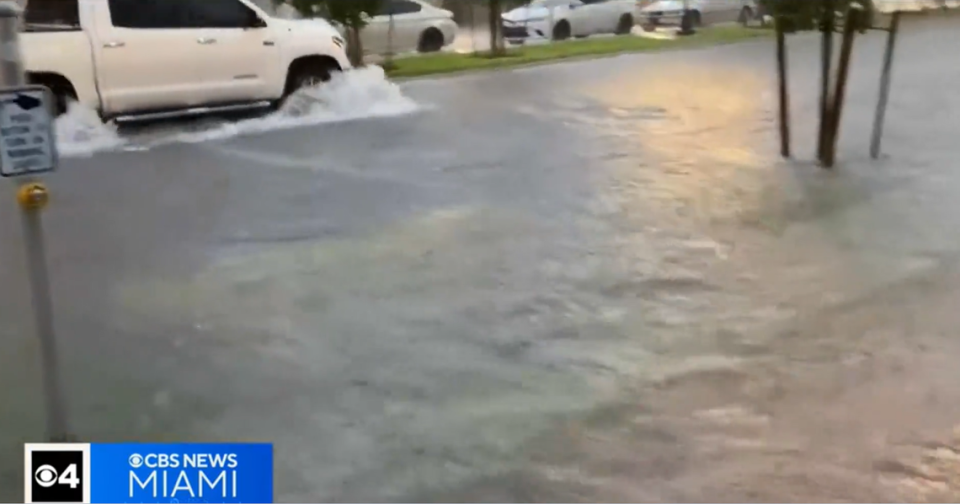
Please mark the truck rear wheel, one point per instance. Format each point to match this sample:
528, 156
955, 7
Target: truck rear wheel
63, 91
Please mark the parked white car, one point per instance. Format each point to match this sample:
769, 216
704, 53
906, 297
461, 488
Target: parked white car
417, 26
562, 19
133, 59
670, 12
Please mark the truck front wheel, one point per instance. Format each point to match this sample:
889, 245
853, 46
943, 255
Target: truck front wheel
308, 72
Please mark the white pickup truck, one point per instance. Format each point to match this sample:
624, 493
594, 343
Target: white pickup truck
153, 59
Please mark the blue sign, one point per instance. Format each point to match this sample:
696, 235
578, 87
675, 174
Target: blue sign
181, 472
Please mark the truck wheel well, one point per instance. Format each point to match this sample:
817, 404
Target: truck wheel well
307, 63
62, 88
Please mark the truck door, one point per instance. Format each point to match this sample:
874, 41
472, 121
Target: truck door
145, 56
239, 52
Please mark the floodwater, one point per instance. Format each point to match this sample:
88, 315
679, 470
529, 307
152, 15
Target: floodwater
592, 281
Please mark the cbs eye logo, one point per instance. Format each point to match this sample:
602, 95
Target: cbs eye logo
58, 476
135, 460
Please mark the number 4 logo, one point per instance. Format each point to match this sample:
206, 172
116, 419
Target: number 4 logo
69, 477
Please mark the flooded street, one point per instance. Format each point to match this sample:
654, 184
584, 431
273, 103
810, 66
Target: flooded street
592, 281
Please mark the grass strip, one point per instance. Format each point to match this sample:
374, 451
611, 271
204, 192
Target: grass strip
442, 63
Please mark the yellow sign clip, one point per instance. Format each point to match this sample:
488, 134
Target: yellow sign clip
33, 196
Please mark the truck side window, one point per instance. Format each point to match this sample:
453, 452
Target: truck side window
219, 14
149, 14
52, 12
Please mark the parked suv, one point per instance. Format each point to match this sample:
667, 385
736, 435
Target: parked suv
147, 59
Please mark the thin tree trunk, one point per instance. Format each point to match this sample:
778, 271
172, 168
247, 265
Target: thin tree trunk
388, 64
836, 105
884, 86
826, 63
354, 46
784, 91
495, 48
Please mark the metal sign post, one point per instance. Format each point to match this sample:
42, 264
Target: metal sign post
550, 19
473, 29
28, 148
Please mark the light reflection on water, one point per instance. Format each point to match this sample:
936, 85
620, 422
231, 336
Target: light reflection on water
805, 280
690, 139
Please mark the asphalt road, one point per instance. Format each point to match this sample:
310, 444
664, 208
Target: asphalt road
589, 281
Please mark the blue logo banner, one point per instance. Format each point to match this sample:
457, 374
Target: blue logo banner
181, 472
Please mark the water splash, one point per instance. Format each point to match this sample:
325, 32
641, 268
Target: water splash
81, 133
358, 94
